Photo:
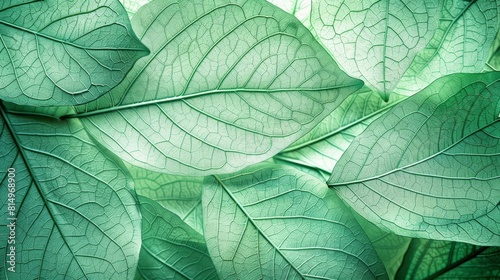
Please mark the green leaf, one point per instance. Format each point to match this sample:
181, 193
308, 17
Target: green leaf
76, 216
322, 147
170, 248
390, 248
277, 222
301, 9
178, 194
132, 6
461, 43
375, 41
59, 52
429, 167
226, 85
430, 259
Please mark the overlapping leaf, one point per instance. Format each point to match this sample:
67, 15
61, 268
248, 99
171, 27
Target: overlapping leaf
277, 222
430, 259
170, 248
227, 84
461, 43
58, 52
430, 166
178, 194
322, 147
375, 40
75, 214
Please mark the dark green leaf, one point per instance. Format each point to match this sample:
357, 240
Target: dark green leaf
431, 259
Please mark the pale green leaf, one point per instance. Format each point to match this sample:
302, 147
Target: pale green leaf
276, 222
132, 6
461, 43
76, 216
301, 9
375, 41
178, 194
434, 259
430, 166
322, 147
170, 248
226, 85
59, 52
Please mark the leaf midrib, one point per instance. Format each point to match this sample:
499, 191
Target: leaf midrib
197, 94
249, 217
402, 168
51, 38
36, 183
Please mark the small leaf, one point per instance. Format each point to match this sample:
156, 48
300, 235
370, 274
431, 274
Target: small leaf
277, 222
461, 43
375, 41
227, 84
429, 167
59, 52
170, 248
76, 216
431, 259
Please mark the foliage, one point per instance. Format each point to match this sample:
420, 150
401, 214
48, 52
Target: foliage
249, 139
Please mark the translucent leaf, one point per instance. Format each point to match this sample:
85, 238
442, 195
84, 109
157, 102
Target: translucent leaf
375, 41
170, 248
461, 43
75, 216
59, 52
277, 222
431, 259
430, 166
322, 147
226, 85
178, 194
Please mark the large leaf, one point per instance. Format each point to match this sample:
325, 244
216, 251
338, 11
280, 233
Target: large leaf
375, 40
226, 85
277, 222
431, 259
178, 194
461, 43
59, 52
75, 215
430, 166
170, 248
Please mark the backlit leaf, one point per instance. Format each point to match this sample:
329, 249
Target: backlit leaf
375, 41
461, 43
59, 52
227, 84
271, 221
76, 217
170, 248
430, 259
430, 166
